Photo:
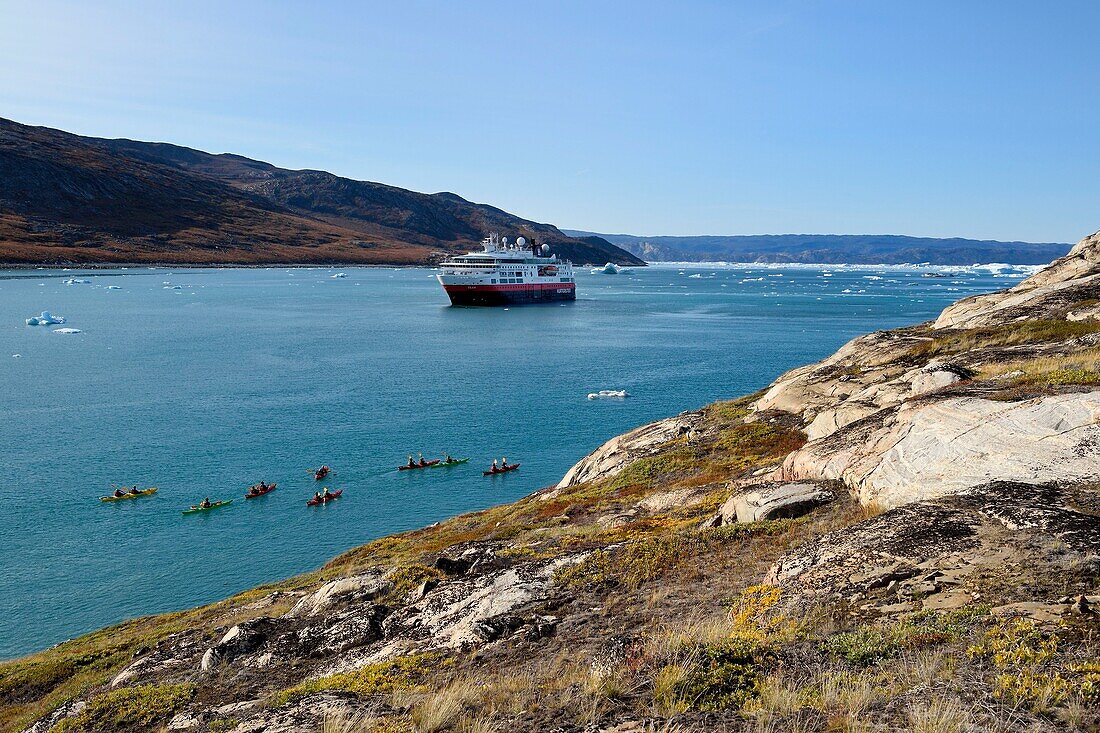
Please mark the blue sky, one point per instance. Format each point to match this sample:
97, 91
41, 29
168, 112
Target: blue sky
977, 118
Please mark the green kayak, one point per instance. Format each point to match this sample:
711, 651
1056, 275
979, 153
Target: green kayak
444, 464
214, 505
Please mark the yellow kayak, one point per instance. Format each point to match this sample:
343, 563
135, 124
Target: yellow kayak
128, 495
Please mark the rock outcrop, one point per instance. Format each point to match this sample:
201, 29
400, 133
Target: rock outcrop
1047, 294
932, 448
617, 453
774, 501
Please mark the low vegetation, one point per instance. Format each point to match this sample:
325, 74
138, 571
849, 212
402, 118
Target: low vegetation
128, 708
957, 341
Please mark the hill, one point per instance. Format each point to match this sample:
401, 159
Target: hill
69, 199
873, 249
902, 537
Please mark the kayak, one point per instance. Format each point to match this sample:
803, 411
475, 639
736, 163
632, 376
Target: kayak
268, 490
320, 473
128, 495
506, 469
317, 501
214, 505
425, 464
445, 464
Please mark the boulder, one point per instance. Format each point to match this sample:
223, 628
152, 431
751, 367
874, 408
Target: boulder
775, 501
936, 376
617, 453
355, 589
244, 638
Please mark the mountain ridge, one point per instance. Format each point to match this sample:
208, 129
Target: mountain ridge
71, 199
871, 249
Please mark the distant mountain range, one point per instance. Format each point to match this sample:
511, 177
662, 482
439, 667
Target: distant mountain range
68, 199
833, 249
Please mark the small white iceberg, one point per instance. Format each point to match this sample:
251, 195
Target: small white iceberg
76, 281
67, 330
46, 319
609, 269
114, 287
173, 287
609, 394
338, 275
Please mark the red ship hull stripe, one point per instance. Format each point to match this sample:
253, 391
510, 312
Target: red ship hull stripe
508, 288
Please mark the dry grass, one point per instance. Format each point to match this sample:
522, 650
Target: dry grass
939, 715
1082, 367
1025, 332
345, 721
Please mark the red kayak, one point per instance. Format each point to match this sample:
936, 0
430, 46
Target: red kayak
317, 501
256, 491
425, 464
321, 472
495, 471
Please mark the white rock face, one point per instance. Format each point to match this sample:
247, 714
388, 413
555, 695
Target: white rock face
1080, 267
774, 501
361, 587
925, 450
615, 454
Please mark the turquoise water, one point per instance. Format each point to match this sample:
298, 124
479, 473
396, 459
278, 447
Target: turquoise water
242, 375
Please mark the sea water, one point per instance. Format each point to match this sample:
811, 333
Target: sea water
202, 382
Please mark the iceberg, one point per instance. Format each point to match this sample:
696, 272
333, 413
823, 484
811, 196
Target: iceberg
114, 287
67, 330
338, 275
46, 319
609, 269
608, 394
76, 281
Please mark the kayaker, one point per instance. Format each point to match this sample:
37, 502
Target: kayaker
449, 459
205, 503
422, 461
134, 489
411, 464
317, 496
504, 463
324, 494
494, 466
119, 493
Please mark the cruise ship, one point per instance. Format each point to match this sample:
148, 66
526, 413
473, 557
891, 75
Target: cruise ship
504, 273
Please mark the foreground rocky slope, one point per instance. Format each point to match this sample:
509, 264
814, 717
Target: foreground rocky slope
905, 536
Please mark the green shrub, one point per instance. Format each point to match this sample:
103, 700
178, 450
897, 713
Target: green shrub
870, 644
723, 675
141, 708
372, 679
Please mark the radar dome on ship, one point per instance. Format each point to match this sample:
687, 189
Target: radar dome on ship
521, 242
546, 249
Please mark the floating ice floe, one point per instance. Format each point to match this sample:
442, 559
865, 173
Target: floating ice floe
67, 330
338, 276
76, 281
696, 276
114, 287
173, 287
608, 394
609, 269
46, 319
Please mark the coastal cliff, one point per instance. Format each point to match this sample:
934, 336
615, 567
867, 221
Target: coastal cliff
72, 200
904, 536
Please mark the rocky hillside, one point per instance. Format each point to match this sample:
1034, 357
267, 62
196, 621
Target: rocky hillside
903, 537
71, 199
